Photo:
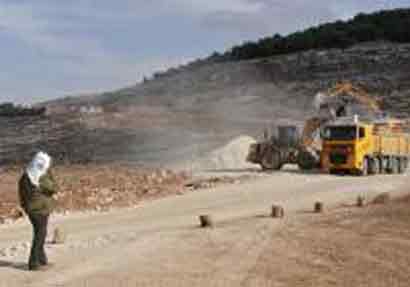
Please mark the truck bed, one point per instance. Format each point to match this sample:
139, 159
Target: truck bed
394, 144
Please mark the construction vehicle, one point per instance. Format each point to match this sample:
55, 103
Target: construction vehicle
365, 148
283, 148
304, 148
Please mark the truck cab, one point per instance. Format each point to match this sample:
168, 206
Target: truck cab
346, 147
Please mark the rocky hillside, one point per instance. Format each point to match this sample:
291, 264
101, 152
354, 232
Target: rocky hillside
184, 114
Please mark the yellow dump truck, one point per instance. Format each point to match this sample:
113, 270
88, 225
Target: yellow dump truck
365, 148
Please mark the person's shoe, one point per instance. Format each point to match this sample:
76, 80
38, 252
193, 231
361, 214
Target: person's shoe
40, 268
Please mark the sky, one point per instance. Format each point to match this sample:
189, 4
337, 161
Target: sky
51, 48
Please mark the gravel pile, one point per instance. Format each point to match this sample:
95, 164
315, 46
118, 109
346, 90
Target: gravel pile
232, 156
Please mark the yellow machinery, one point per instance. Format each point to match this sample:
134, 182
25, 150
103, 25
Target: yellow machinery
345, 93
343, 100
304, 149
352, 146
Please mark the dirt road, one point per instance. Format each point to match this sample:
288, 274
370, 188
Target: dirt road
159, 244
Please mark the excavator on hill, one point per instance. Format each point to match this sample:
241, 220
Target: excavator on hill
304, 149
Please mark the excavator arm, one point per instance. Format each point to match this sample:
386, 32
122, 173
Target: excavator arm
354, 94
333, 104
310, 131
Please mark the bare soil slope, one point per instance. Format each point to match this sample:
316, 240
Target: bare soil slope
93, 187
184, 114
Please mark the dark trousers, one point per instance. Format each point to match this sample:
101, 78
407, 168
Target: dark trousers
38, 255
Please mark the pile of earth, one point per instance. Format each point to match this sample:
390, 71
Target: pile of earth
231, 156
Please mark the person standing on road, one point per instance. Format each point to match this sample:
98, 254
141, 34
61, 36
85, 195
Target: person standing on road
36, 189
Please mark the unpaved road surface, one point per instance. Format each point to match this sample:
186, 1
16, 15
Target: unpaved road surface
159, 243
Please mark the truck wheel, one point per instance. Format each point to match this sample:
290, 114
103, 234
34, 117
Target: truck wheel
382, 164
271, 161
374, 166
395, 165
405, 164
399, 165
365, 167
402, 165
390, 167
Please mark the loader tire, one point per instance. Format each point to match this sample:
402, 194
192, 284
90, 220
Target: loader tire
271, 161
306, 161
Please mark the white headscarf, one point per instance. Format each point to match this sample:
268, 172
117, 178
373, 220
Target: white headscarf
38, 167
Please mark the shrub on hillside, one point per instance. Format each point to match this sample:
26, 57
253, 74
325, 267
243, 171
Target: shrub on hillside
388, 25
11, 110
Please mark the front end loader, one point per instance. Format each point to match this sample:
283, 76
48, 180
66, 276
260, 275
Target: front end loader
284, 148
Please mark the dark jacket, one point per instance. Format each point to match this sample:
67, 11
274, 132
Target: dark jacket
37, 200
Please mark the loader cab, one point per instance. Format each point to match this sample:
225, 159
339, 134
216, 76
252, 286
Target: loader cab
288, 136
